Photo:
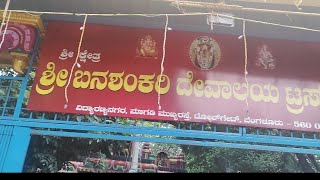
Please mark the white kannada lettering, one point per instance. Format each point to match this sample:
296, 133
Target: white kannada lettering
65, 54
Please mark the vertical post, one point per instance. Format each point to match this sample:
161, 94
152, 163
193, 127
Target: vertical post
5, 138
242, 131
16, 152
135, 157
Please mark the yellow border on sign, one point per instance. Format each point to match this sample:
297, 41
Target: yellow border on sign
27, 19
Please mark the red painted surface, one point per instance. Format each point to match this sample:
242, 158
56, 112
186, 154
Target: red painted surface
292, 65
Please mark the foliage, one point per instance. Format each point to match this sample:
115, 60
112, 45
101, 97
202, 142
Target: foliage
169, 149
7, 71
204, 159
43, 162
70, 149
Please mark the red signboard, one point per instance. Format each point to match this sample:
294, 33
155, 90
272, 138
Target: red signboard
203, 78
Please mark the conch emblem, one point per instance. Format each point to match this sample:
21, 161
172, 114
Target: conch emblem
265, 58
147, 47
205, 53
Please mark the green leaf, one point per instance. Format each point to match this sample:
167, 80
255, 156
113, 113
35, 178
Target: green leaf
2, 92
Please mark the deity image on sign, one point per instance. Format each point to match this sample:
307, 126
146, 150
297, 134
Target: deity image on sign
205, 53
147, 47
265, 58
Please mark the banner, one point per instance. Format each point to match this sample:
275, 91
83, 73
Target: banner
119, 71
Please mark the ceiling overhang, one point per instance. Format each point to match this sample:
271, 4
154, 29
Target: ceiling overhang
310, 3
190, 23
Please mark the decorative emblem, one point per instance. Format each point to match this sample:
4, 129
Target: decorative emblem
265, 58
205, 53
19, 38
147, 47
17, 42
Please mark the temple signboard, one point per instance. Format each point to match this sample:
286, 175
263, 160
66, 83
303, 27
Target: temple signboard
118, 74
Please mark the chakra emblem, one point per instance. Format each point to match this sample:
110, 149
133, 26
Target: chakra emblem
205, 53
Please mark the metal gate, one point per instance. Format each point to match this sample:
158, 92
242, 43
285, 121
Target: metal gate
17, 125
